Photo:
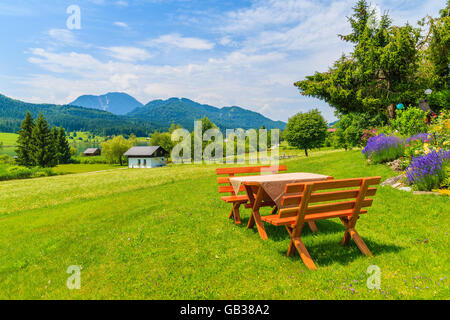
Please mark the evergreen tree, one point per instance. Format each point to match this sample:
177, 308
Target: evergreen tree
63, 147
379, 73
25, 142
54, 137
43, 151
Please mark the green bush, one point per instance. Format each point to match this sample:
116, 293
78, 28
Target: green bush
89, 160
350, 129
410, 122
6, 159
439, 100
18, 172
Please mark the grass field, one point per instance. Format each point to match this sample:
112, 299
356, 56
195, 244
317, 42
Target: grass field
164, 234
82, 168
9, 142
8, 139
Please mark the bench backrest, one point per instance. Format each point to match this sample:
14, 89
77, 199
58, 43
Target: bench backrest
320, 198
231, 172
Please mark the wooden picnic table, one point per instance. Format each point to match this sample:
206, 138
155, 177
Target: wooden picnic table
267, 191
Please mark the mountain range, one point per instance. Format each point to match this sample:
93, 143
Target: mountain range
72, 118
176, 110
120, 113
184, 112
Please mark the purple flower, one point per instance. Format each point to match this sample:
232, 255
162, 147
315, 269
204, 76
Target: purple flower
381, 142
424, 137
427, 171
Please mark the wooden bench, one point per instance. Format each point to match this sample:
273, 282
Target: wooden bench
296, 210
239, 199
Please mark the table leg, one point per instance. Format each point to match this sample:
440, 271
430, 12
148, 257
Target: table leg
256, 216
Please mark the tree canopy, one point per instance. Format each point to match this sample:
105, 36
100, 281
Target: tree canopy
114, 149
306, 130
389, 65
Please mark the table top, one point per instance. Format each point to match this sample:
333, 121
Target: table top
294, 176
274, 184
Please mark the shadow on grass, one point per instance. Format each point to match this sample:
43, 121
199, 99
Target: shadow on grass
280, 234
325, 252
330, 252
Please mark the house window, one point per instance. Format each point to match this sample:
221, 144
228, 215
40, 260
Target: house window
145, 162
139, 162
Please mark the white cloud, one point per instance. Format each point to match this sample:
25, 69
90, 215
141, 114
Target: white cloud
269, 46
63, 37
121, 24
128, 53
122, 3
176, 40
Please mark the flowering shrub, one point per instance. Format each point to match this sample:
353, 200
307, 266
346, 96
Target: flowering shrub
423, 137
426, 172
440, 129
382, 148
367, 135
410, 121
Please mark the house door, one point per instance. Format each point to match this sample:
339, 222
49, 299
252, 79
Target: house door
145, 163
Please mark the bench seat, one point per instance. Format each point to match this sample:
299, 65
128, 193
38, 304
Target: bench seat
277, 221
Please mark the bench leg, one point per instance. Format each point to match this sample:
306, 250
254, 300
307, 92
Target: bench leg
235, 213
251, 222
304, 254
313, 227
237, 216
350, 233
231, 215
345, 241
360, 243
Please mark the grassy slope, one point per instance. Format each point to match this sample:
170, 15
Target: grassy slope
82, 168
8, 139
163, 233
9, 142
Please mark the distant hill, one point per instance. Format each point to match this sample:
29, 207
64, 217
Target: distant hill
72, 118
332, 124
185, 112
143, 120
118, 103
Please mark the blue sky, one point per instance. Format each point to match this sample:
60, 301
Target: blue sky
219, 52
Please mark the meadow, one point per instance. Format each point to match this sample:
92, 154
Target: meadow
164, 234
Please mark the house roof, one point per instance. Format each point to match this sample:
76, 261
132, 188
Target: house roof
142, 151
91, 150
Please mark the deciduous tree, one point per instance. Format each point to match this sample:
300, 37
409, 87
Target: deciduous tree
114, 149
306, 130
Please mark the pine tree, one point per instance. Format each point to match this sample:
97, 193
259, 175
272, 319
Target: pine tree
55, 142
44, 153
63, 147
25, 142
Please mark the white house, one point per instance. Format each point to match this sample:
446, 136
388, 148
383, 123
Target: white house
146, 157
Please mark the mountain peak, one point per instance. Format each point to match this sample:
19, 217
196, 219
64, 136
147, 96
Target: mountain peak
119, 103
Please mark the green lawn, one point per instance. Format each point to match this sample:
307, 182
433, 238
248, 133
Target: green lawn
8, 139
81, 168
9, 142
164, 234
